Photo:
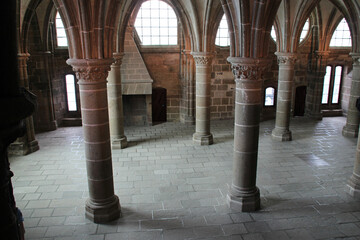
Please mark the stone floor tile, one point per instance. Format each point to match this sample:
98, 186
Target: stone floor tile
168, 185
233, 229
210, 231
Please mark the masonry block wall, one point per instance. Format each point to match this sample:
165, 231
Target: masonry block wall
222, 86
164, 69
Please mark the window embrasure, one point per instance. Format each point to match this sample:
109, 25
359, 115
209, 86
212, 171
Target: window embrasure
156, 24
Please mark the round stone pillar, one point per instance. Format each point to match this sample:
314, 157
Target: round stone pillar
116, 115
102, 205
27, 143
353, 186
286, 63
202, 135
314, 90
351, 128
243, 194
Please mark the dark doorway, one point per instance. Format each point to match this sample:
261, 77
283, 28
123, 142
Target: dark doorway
300, 97
158, 105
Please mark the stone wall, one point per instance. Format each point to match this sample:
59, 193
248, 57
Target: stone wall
222, 86
164, 69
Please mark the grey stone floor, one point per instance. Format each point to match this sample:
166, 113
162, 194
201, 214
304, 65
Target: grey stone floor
171, 189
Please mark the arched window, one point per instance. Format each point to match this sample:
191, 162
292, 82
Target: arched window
341, 36
269, 96
273, 33
305, 30
332, 84
61, 39
71, 93
156, 24
222, 36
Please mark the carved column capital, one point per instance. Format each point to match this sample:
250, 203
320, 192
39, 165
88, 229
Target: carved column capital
202, 58
322, 54
248, 68
90, 70
356, 58
285, 58
118, 57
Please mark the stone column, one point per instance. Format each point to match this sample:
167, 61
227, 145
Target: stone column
353, 186
116, 114
351, 128
244, 195
27, 143
286, 63
202, 135
102, 205
187, 113
316, 73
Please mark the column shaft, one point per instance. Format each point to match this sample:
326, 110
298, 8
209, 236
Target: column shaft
351, 128
202, 135
353, 186
244, 195
27, 143
102, 205
116, 115
286, 63
316, 73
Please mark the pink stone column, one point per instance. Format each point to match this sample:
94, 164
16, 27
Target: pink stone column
116, 115
244, 194
286, 63
202, 135
102, 205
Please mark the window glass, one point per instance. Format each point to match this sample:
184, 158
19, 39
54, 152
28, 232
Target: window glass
337, 81
305, 30
341, 36
156, 24
270, 96
70, 92
222, 36
60, 32
273, 33
326, 88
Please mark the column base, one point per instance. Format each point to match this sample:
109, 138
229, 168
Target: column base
244, 201
21, 149
102, 213
188, 120
353, 186
119, 143
281, 135
315, 116
350, 132
203, 139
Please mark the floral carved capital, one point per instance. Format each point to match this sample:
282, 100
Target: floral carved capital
90, 70
202, 58
355, 58
247, 68
285, 58
118, 57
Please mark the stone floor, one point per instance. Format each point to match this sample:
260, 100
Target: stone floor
171, 189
